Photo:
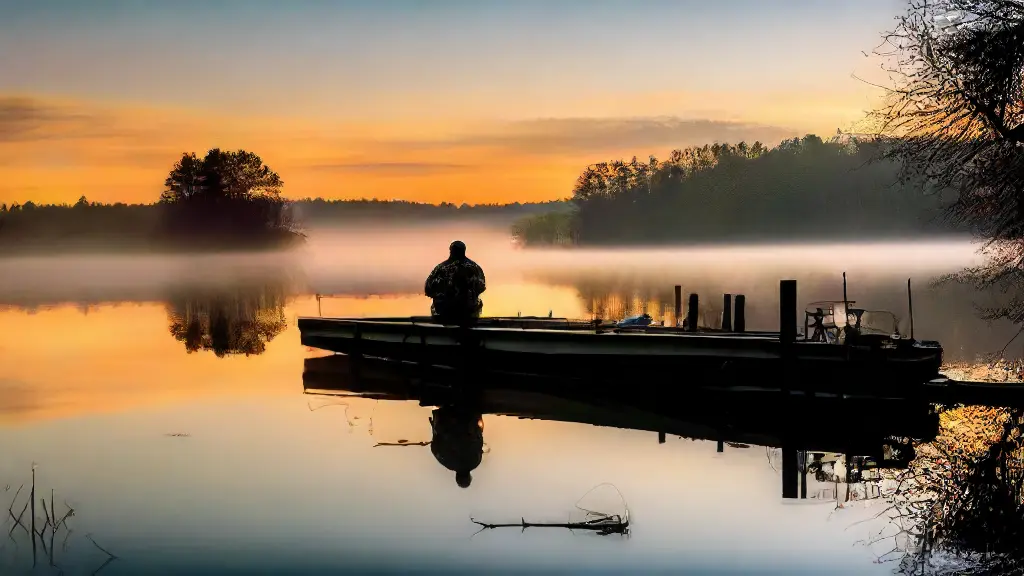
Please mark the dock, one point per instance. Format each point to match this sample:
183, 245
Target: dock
828, 356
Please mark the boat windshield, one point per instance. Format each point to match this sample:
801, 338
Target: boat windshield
878, 322
823, 320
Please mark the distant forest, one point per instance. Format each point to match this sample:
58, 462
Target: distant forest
86, 225
804, 188
317, 211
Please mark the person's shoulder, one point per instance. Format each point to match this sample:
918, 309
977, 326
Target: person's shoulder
472, 264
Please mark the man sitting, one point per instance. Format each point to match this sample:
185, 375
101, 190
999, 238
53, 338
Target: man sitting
455, 286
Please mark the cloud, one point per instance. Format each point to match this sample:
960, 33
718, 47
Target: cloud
29, 119
55, 151
393, 168
16, 398
594, 136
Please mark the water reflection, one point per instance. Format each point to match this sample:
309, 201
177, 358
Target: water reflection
576, 284
227, 321
867, 435
39, 534
961, 501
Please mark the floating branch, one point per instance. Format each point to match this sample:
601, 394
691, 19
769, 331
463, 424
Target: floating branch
599, 522
614, 524
402, 443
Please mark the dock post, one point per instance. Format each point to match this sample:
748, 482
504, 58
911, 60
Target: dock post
789, 472
678, 311
803, 473
739, 320
721, 446
787, 331
661, 437
727, 313
787, 311
691, 314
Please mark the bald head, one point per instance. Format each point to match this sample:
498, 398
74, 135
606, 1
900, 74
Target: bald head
457, 249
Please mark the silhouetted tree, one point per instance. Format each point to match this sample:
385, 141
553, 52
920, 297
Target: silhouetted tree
955, 118
802, 188
225, 195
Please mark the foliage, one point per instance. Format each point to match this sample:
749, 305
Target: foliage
549, 228
314, 211
802, 188
954, 117
226, 194
87, 225
963, 492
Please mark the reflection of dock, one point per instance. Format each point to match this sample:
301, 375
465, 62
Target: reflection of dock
864, 427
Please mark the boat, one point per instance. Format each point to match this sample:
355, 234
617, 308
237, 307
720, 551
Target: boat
847, 358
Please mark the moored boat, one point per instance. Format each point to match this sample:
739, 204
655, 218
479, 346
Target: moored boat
848, 358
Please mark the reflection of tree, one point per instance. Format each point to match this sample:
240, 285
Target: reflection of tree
228, 321
614, 301
963, 492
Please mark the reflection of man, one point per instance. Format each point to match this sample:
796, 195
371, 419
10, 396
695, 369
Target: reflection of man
455, 286
458, 441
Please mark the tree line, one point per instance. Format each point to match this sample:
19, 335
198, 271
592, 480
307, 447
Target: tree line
803, 188
224, 199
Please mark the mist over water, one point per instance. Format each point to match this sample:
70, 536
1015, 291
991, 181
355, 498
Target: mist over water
145, 388
393, 261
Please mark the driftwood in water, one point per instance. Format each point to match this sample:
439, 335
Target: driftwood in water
598, 522
614, 524
401, 443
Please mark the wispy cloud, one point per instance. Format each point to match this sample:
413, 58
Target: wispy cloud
392, 168
24, 119
55, 151
596, 136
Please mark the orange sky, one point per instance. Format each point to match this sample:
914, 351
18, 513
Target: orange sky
493, 103
66, 149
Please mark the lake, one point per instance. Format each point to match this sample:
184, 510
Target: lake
189, 449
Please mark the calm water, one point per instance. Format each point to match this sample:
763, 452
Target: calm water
183, 452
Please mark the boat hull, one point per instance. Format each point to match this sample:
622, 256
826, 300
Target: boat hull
694, 359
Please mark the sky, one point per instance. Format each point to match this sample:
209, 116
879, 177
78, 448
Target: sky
475, 101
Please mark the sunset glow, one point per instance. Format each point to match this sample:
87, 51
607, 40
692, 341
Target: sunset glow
470, 103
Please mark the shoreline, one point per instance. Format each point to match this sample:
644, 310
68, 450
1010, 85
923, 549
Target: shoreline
1002, 370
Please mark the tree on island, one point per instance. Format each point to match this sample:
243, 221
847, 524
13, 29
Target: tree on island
226, 195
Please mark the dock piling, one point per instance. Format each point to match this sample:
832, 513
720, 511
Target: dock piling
787, 312
790, 485
727, 313
787, 331
678, 310
721, 446
691, 314
803, 474
661, 437
740, 317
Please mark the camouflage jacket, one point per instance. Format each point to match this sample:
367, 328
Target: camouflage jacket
458, 440
455, 286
